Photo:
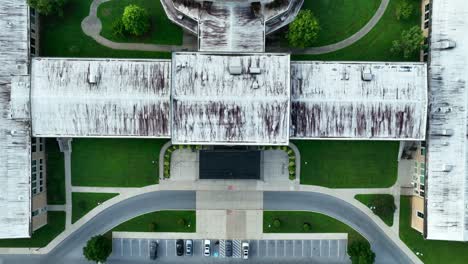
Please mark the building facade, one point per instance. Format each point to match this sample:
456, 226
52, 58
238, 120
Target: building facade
38, 183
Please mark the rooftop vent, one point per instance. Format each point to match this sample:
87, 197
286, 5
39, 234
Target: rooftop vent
444, 44
254, 70
92, 79
444, 132
446, 168
366, 74
235, 67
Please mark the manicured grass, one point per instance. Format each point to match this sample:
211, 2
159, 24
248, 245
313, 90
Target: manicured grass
375, 46
63, 37
161, 221
293, 222
55, 172
383, 205
162, 30
348, 164
82, 203
115, 162
434, 252
339, 19
42, 236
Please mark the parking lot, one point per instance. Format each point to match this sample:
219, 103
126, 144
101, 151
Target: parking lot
124, 248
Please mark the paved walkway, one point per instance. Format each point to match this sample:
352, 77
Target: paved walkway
344, 43
53, 207
91, 26
68, 189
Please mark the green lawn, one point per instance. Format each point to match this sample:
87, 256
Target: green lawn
375, 46
55, 172
348, 164
63, 37
434, 252
384, 205
161, 221
293, 222
115, 162
42, 236
82, 203
162, 31
339, 19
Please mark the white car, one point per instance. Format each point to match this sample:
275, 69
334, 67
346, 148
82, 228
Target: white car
207, 248
245, 250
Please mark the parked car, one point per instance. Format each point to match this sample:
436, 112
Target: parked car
228, 248
207, 248
188, 247
245, 250
153, 250
180, 247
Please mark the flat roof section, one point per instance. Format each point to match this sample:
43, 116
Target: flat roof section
100, 98
226, 99
358, 100
230, 164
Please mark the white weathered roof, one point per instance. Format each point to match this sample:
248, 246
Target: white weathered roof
447, 179
15, 157
212, 106
100, 97
331, 100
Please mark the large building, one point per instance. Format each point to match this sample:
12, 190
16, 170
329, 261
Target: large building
232, 93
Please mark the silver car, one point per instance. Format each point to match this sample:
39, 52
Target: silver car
189, 247
207, 248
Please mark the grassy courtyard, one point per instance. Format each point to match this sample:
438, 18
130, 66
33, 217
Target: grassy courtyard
115, 162
42, 236
434, 252
375, 46
55, 172
63, 37
82, 203
162, 30
348, 164
383, 205
339, 19
161, 221
293, 222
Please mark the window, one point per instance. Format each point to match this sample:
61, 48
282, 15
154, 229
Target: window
427, 7
425, 58
33, 30
426, 24
35, 212
33, 41
33, 51
33, 147
426, 16
419, 214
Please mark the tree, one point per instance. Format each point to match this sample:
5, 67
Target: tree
136, 20
276, 223
361, 253
98, 248
411, 41
404, 10
303, 31
48, 7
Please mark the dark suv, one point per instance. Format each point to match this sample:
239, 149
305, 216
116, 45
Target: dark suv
180, 247
228, 248
153, 250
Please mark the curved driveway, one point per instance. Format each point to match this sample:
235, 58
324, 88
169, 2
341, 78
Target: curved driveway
70, 250
385, 249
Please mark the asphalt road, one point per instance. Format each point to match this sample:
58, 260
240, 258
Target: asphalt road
70, 250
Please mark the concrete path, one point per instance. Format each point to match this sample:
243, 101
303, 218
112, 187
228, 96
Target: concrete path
344, 43
91, 26
53, 207
68, 189
86, 189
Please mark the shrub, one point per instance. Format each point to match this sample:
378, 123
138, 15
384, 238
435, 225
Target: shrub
181, 222
306, 227
152, 227
98, 249
136, 20
118, 28
48, 7
410, 42
304, 30
404, 10
276, 223
360, 253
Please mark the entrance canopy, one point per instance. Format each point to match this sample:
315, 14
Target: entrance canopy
230, 164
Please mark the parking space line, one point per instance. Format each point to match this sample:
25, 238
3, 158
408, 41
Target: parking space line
294, 248
258, 247
166, 248
121, 247
147, 244
338, 251
311, 248
329, 248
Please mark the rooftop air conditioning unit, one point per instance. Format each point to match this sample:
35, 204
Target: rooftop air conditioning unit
254, 70
366, 74
235, 67
444, 44
447, 168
